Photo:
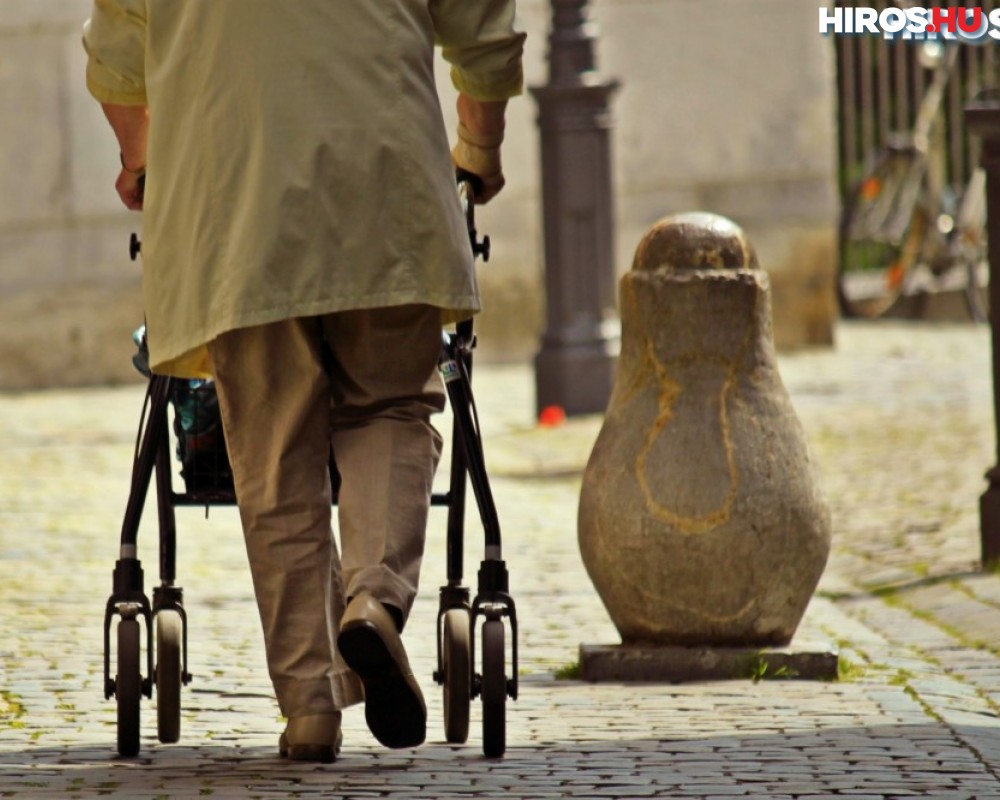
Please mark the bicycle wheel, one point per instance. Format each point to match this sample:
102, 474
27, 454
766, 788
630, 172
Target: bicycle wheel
494, 690
128, 687
882, 234
169, 667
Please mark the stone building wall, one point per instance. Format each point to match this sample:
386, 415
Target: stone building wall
725, 106
68, 293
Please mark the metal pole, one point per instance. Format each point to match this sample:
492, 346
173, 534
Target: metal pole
983, 118
574, 368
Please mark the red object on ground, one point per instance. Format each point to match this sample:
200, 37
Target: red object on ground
551, 416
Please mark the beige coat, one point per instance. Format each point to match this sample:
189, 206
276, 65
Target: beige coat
297, 160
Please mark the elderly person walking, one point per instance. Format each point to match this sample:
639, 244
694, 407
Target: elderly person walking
303, 245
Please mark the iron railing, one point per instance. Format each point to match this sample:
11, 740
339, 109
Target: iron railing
880, 84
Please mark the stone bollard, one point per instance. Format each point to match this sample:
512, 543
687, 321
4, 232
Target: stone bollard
700, 521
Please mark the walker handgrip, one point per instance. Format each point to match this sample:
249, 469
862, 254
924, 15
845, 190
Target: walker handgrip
474, 181
468, 186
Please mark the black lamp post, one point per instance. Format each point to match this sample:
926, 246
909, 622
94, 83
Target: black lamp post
983, 118
575, 366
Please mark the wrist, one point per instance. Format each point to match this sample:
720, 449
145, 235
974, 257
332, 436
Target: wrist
487, 140
138, 172
482, 117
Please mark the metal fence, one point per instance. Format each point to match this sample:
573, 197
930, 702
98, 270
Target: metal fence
880, 86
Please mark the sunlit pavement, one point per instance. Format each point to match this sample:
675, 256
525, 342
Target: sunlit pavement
900, 420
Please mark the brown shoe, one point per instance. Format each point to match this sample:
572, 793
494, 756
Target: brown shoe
316, 737
370, 644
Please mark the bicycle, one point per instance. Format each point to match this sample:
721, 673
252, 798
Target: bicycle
903, 229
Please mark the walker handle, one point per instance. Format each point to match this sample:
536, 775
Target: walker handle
468, 186
475, 183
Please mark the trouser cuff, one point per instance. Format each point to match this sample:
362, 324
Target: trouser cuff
298, 698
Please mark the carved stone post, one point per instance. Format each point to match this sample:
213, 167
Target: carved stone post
575, 365
701, 523
700, 519
983, 118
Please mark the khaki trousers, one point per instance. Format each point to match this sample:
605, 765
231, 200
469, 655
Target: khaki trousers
365, 383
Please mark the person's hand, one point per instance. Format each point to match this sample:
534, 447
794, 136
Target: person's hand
131, 127
131, 187
479, 154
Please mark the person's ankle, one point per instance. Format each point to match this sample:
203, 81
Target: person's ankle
396, 614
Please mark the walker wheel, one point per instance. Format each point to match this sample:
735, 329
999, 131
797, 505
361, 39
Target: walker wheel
169, 677
128, 687
494, 690
455, 658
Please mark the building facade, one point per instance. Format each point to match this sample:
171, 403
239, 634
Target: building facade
725, 106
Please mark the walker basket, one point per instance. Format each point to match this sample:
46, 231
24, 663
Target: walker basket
201, 446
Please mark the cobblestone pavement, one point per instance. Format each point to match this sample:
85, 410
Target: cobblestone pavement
900, 418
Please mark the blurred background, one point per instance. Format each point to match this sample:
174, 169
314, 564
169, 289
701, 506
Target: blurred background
728, 106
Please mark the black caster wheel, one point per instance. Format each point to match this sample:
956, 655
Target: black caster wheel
128, 687
494, 690
169, 675
455, 657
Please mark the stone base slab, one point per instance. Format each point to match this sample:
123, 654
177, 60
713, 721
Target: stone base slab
667, 664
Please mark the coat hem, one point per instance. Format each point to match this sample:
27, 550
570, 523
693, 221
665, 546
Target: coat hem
188, 358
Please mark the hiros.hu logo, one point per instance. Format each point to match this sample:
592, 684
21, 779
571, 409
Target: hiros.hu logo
971, 25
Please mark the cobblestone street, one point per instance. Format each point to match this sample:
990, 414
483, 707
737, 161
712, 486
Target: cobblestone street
900, 420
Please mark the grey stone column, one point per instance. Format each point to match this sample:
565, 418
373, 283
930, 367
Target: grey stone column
575, 365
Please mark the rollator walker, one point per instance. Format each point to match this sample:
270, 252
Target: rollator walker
161, 626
